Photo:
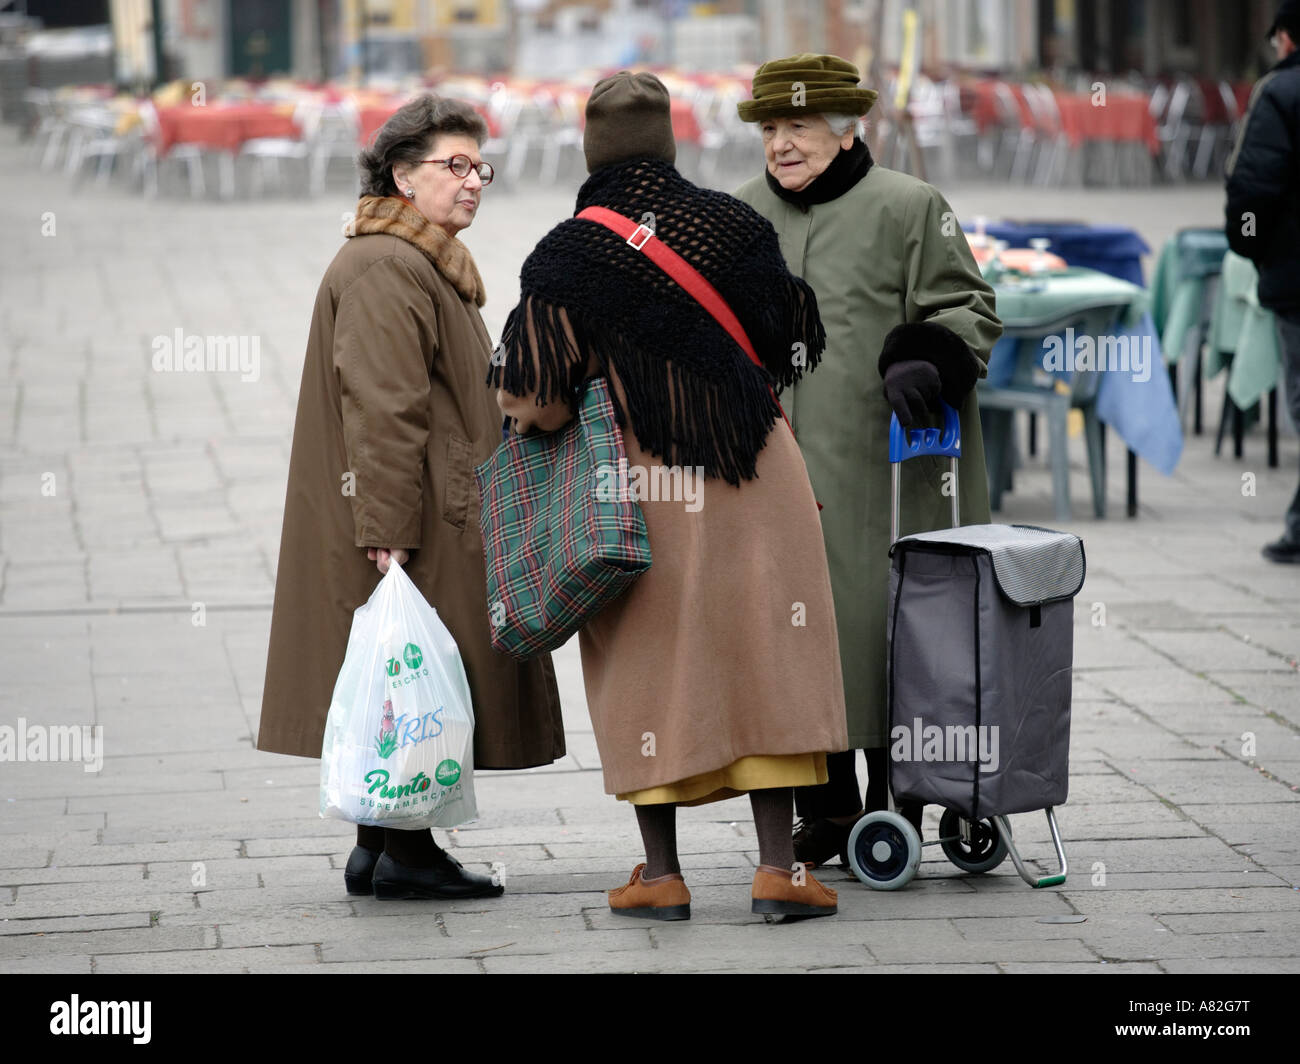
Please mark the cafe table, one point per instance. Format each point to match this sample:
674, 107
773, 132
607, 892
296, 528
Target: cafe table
224, 128
1116, 250
1086, 336
1183, 289
1243, 338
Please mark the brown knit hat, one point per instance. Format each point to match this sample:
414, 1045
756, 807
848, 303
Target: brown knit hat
628, 116
806, 84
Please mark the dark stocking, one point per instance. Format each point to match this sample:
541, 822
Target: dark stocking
773, 808
658, 825
414, 849
877, 778
878, 788
370, 837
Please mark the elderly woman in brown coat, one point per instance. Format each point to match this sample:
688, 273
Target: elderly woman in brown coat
392, 418
718, 672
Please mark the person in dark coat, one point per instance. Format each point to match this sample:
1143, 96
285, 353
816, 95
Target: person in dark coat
1263, 218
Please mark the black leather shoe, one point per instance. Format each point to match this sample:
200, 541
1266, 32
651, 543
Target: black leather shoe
817, 840
360, 870
1284, 550
446, 879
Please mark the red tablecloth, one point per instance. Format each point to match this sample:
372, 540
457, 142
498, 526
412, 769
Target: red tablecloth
686, 128
1123, 117
372, 117
1242, 90
223, 128
980, 100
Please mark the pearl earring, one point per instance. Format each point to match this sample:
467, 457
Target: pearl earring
410, 193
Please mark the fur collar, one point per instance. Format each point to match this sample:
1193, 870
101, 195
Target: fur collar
451, 258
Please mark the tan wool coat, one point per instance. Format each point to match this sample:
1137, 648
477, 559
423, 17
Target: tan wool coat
393, 415
726, 647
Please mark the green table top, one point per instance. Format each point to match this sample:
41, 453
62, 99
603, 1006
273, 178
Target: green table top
1025, 303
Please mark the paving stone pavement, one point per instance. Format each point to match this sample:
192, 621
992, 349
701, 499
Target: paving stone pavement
136, 503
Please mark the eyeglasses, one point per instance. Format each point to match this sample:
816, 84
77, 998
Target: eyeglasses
461, 165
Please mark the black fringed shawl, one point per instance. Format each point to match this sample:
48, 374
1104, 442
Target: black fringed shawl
694, 397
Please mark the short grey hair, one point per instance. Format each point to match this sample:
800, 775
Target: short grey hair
840, 123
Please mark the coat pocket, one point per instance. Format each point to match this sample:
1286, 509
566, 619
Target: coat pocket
458, 481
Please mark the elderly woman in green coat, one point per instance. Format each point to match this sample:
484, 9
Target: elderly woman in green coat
909, 320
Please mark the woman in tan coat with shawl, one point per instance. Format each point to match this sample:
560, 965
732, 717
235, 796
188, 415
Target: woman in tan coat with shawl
718, 672
392, 418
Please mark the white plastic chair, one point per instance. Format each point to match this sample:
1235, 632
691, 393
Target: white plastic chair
189, 156
268, 152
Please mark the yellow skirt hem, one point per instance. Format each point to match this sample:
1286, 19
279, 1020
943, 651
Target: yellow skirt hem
754, 773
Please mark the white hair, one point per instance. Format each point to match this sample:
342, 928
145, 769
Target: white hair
841, 124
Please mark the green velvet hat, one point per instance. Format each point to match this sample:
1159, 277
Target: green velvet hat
806, 84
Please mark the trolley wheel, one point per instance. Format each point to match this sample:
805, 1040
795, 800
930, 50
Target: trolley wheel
986, 850
884, 850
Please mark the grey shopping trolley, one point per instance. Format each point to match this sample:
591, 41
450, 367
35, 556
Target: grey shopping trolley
980, 637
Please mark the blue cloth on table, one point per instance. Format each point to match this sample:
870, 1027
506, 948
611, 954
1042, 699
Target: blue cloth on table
1113, 249
1144, 413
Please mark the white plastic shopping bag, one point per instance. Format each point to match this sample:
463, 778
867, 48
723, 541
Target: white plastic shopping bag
399, 739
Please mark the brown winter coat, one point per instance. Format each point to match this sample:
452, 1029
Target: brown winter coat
726, 647
393, 393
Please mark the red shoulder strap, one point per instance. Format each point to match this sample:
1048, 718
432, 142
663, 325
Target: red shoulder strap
643, 238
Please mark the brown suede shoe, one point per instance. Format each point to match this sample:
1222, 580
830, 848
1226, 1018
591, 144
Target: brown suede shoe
776, 895
662, 898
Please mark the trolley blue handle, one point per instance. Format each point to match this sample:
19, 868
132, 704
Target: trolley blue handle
911, 443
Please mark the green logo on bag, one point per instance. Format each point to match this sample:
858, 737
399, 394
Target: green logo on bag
447, 772
377, 780
394, 666
413, 656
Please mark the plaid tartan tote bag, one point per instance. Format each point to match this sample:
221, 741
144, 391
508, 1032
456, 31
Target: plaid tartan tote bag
559, 539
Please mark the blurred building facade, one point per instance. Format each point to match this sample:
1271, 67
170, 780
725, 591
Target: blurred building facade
318, 39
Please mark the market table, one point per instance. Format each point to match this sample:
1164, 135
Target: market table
1182, 292
1112, 249
223, 127
1243, 336
1128, 391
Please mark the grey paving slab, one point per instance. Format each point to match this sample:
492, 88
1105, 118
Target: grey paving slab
132, 942
105, 922
1231, 966
47, 965
262, 959
1197, 900
428, 966
1100, 967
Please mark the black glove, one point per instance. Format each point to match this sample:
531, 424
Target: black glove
926, 341
911, 388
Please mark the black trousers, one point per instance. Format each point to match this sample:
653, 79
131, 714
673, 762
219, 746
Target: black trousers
1288, 330
838, 796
